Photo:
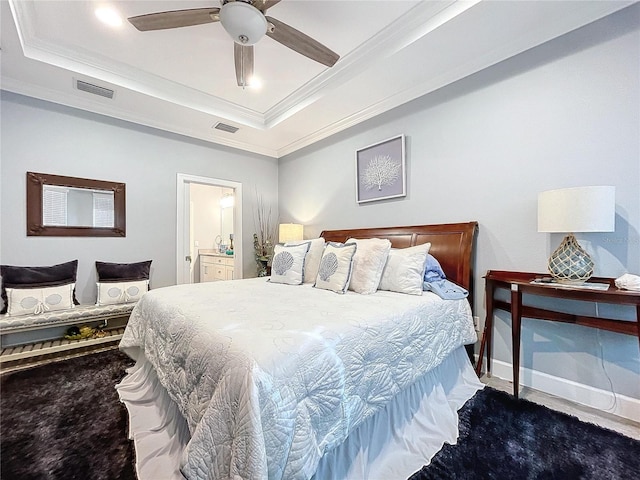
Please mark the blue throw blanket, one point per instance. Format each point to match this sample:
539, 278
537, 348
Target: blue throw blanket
436, 281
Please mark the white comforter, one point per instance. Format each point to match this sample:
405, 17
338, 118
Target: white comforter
270, 377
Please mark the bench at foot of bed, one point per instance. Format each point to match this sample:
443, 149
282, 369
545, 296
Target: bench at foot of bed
34, 335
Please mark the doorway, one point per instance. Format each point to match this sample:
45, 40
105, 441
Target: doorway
205, 222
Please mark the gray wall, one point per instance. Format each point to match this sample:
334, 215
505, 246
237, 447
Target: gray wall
563, 114
44, 137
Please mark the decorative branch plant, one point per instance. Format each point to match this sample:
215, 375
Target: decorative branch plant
264, 237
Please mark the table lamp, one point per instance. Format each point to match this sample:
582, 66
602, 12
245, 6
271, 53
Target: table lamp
290, 232
571, 210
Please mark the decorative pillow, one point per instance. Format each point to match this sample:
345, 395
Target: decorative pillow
433, 270
30, 277
110, 293
312, 259
29, 301
334, 272
368, 263
404, 270
123, 271
287, 265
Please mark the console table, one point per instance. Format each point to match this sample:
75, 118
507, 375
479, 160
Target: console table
520, 282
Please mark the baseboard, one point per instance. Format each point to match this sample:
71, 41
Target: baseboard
604, 400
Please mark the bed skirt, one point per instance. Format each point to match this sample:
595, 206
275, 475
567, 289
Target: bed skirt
394, 443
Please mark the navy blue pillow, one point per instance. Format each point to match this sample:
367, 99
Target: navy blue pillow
111, 272
27, 277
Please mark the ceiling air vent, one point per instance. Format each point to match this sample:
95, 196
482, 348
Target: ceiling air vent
94, 89
225, 128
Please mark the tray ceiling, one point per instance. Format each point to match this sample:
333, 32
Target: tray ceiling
183, 80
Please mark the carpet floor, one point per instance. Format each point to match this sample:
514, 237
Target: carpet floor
504, 438
63, 421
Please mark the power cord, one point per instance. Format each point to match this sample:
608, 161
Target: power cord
599, 339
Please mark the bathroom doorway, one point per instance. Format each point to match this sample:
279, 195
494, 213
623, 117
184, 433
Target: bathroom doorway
209, 217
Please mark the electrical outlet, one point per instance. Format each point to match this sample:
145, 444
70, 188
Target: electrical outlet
476, 322
196, 243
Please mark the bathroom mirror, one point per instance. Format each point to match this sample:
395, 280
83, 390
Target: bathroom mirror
74, 207
227, 203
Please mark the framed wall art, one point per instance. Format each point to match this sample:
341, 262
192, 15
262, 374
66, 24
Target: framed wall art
380, 171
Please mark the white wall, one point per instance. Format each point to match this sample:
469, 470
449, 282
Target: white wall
44, 137
563, 114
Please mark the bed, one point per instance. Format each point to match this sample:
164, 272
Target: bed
251, 379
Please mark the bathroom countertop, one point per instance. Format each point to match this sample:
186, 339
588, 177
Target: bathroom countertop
214, 253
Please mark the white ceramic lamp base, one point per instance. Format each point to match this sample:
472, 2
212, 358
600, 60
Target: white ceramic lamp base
570, 263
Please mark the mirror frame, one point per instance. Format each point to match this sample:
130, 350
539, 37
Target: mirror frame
35, 181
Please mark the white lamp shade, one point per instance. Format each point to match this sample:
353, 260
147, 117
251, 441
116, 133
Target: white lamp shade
245, 23
579, 209
290, 232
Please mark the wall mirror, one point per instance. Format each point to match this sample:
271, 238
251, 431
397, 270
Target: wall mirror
227, 203
59, 206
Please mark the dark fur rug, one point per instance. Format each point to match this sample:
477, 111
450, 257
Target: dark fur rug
502, 438
63, 421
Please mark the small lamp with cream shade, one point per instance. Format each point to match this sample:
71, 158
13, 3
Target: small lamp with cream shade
290, 232
571, 210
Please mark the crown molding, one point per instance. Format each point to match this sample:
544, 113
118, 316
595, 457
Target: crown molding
405, 30
408, 28
475, 63
118, 74
424, 18
101, 108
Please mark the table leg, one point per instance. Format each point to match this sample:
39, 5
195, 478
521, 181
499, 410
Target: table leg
483, 346
488, 322
638, 321
516, 324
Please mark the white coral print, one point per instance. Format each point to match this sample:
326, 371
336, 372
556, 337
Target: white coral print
382, 170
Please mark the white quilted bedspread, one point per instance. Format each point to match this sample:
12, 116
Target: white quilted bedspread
270, 377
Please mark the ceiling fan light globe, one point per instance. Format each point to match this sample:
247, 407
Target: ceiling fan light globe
244, 23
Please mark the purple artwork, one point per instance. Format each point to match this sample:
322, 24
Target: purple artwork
380, 171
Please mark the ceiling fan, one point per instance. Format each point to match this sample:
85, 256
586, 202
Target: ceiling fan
246, 22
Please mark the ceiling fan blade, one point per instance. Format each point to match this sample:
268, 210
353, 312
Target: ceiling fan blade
175, 19
243, 55
301, 43
262, 5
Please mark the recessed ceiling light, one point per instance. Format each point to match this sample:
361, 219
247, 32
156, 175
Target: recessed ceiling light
109, 16
255, 82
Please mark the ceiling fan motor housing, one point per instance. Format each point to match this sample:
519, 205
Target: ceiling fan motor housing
245, 23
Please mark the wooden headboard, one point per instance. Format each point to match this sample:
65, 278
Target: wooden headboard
453, 244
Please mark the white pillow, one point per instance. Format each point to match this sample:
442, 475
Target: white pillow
368, 263
287, 265
28, 301
111, 293
334, 272
312, 259
404, 271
